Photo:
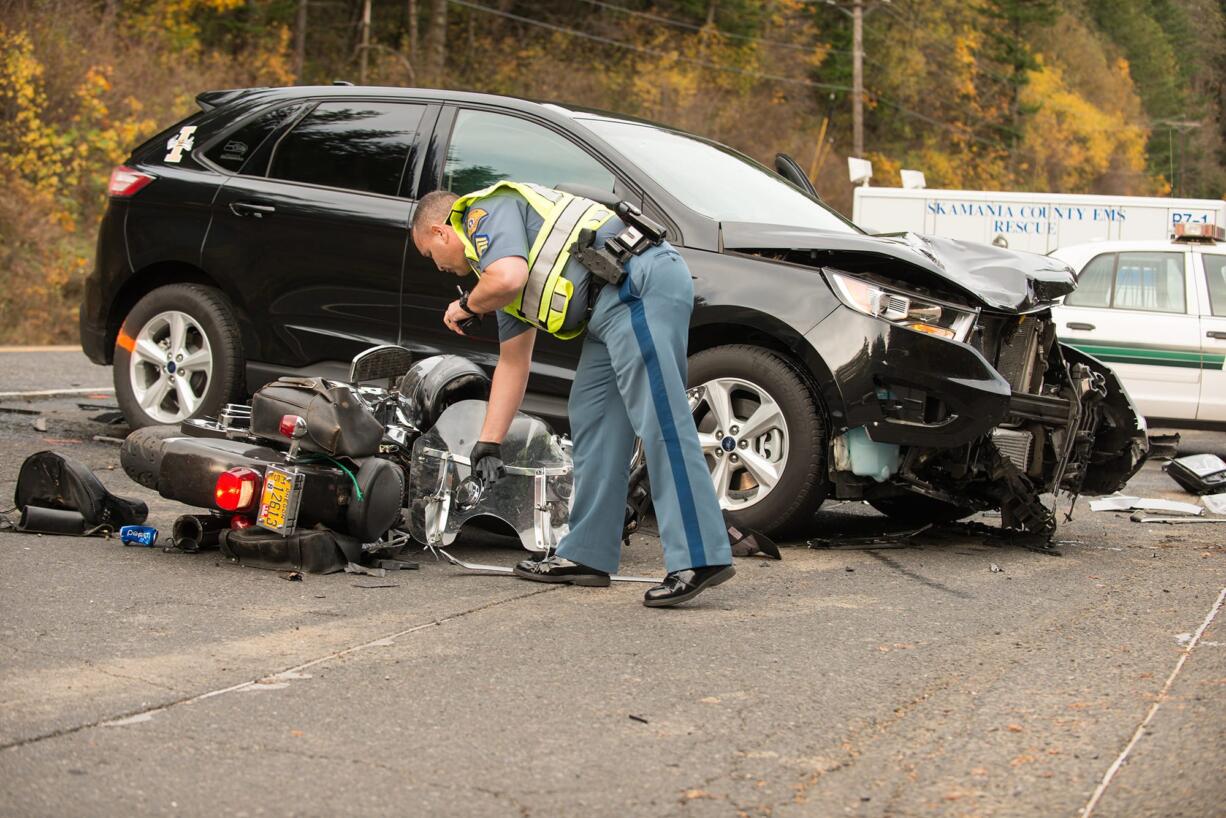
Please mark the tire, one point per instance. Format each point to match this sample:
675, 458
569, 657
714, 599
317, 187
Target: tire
199, 323
918, 509
141, 453
794, 447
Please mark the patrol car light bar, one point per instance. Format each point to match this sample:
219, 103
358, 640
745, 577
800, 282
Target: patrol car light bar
902, 308
1199, 232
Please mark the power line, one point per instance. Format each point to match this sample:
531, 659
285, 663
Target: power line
646, 15
707, 64
652, 51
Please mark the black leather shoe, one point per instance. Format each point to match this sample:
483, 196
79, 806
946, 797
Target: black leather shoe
560, 569
682, 586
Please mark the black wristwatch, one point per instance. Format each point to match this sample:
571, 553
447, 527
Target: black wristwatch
464, 303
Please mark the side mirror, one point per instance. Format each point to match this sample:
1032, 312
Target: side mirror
789, 169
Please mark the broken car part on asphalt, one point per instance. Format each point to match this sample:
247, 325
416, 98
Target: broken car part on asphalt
1123, 502
1198, 473
1142, 517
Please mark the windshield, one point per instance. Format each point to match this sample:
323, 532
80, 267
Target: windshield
714, 180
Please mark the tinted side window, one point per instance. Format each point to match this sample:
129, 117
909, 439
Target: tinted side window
487, 148
351, 144
232, 151
1215, 272
1149, 281
1094, 283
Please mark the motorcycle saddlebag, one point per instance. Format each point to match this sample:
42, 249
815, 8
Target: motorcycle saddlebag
316, 551
49, 480
338, 424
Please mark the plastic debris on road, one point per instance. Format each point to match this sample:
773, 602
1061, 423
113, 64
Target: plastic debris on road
1124, 502
1198, 473
1216, 503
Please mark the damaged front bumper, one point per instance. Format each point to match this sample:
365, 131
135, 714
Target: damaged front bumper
908, 388
930, 416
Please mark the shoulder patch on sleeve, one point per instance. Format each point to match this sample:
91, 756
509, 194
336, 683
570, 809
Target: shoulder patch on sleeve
476, 215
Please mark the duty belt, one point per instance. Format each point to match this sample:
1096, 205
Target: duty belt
608, 262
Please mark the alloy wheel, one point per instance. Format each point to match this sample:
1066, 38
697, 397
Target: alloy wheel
171, 366
744, 438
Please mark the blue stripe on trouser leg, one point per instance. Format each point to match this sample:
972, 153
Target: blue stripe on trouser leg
668, 429
603, 446
647, 356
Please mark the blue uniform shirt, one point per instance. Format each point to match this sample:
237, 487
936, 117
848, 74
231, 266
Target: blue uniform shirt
502, 225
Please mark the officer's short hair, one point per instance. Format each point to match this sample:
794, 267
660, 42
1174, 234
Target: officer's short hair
434, 208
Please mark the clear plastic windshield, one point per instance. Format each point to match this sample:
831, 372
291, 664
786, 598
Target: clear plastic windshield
534, 498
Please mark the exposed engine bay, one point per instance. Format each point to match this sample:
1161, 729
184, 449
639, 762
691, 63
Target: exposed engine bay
961, 397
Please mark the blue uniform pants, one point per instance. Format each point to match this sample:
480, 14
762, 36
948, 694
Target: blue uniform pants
631, 381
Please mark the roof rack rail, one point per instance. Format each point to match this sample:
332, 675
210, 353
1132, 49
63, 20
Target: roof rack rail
341, 82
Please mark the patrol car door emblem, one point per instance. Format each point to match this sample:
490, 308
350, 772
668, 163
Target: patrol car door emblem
183, 142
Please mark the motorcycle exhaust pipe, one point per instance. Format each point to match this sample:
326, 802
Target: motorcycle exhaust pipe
38, 520
192, 532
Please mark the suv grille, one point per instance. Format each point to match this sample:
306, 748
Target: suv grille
1018, 361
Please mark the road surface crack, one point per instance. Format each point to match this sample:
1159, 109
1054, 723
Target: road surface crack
386, 639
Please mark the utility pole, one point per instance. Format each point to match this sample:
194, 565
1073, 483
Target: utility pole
857, 67
857, 76
365, 40
412, 11
300, 41
1182, 126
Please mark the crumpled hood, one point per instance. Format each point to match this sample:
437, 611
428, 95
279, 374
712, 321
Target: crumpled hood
1001, 279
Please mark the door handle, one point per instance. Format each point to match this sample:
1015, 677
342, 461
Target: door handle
1079, 325
1218, 336
249, 209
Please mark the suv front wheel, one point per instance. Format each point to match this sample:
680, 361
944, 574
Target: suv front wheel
763, 436
178, 355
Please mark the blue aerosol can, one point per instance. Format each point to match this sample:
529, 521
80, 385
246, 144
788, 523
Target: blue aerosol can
144, 535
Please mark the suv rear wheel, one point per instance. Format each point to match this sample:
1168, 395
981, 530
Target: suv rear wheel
763, 436
178, 355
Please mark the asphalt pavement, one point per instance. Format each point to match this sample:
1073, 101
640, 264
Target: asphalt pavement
956, 675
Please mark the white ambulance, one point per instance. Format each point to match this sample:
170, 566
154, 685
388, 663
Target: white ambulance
1037, 222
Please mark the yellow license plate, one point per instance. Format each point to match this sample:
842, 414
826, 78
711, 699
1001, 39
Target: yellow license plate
279, 501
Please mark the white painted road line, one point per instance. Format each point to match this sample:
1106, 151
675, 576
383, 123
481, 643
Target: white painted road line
1119, 762
63, 348
51, 393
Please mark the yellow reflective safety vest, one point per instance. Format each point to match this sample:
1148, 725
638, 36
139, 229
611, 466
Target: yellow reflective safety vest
546, 296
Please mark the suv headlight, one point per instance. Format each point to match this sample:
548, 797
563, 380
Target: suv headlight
914, 312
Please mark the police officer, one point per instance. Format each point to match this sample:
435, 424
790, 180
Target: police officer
520, 239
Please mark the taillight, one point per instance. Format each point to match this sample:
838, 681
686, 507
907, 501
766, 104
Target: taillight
235, 490
127, 182
292, 426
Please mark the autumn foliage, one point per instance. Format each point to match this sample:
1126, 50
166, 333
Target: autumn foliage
1104, 96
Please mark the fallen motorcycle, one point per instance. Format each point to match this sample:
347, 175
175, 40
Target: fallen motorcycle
316, 473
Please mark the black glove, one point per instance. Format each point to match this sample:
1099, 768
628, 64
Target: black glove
486, 460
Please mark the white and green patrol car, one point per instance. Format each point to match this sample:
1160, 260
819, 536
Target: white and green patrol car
1156, 311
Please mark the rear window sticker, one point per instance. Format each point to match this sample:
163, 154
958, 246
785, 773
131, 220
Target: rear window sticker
183, 142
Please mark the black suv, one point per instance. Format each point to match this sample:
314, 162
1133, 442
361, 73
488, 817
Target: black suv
267, 235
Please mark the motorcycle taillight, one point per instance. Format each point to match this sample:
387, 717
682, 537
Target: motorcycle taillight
292, 426
236, 489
